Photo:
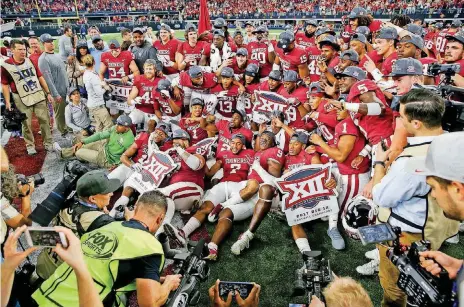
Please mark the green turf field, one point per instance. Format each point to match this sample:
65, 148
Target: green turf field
273, 257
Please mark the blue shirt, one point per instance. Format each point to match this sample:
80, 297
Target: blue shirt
398, 190
97, 55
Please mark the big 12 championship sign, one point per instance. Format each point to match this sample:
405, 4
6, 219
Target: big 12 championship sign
119, 94
305, 196
157, 166
266, 102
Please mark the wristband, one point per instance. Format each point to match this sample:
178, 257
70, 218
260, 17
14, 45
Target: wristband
354, 107
379, 163
275, 67
377, 75
365, 151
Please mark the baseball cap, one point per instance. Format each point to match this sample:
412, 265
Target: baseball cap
354, 72
387, 33
46, 38
260, 29
197, 101
290, 76
190, 27
415, 29
285, 39
363, 30
275, 75
180, 134
138, 29
324, 30
413, 39
162, 126
219, 32
270, 134
71, 90
239, 136
350, 55
252, 70
330, 40
236, 33
459, 36
456, 23
96, 182
315, 90
240, 112
439, 25
195, 72
405, 67
114, 44
249, 22
301, 137
443, 159
165, 27
219, 23
312, 22
357, 12
359, 37
81, 43
96, 38
242, 51
124, 120
227, 72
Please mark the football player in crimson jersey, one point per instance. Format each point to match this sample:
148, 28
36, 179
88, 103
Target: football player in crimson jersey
267, 166
165, 105
296, 95
226, 129
262, 50
238, 40
360, 44
385, 47
314, 53
290, 57
251, 83
118, 63
193, 80
429, 40
441, 38
411, 46
167, 47
194, 123
235, 163
273, 84
307, 38
132, 158
238, 64
141, 94
329, 58
191, 52
226, 93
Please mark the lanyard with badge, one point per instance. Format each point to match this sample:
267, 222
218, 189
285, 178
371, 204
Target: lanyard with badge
30, 84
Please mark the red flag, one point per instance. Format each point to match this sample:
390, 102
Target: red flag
204, 24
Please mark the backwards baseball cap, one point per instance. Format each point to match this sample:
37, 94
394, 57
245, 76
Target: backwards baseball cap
300, 136
456, 23
406, 67
443, 159
227, 72
351, 55
275, 75
114, 44
416, 40
7, 39
242, 51
138, 29
219, 33
290, 76
180, 134
96, 38
359, 37
124, 120
387, 33
252, 70
285, 39
354, 72
195, 72
45, 38
96, 182
459, 36
249, 22
260, 29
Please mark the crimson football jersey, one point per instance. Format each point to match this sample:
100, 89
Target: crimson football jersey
246, 97
200, 49
425, 65
314, 72
209, 81
302, 40
117, 67
387, 64
142, 144
326, 121
225, 134
292, 59
375, 26
167, 53
194, 130
226, 103
185, 173
236, 167
257, 51
264, 86
373, 127
429, 43
375, 57
273, 153
146, 88
347, 127
440, 43
293, 115
161, 104
240, 71
209, 39
301, 159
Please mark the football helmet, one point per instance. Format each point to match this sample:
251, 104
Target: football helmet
359, 212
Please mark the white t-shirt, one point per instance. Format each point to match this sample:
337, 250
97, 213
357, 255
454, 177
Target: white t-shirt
8, 212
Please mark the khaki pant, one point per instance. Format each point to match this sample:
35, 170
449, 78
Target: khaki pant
93, 153
389, 274
40, 110
58, 109
101, 117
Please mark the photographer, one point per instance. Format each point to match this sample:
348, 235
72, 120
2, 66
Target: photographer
404, 199
76, 115
454, 54
11, 189
443, 165
85, 214
119, 263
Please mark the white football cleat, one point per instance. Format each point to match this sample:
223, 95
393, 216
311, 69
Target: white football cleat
242, 243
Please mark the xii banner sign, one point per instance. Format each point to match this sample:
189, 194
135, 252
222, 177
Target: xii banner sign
305, 196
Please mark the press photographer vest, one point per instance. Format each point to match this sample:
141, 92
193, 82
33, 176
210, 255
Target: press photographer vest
437, 227
27, 84
103, 249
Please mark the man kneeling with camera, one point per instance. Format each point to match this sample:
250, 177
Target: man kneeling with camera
121, 257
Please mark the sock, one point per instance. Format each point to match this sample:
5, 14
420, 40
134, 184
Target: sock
212, 245
235, 199
249, 234
122, 201
333, 221
191, 226
303, 245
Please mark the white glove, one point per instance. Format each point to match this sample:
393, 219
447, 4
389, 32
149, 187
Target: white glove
270, 47
137, 167
166, 93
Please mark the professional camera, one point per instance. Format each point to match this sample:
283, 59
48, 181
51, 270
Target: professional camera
38, 179
12, 119
313, 276
436, 69
64, 191
194, 270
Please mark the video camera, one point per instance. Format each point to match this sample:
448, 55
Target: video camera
436, 69
194, 270
58, 197
422, 288
38, 179
313, 276
12, 120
